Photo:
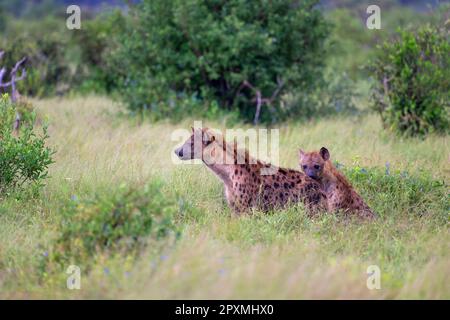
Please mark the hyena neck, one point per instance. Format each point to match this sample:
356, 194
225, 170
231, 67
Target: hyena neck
231, 159
233, 155
332, 177
222, 171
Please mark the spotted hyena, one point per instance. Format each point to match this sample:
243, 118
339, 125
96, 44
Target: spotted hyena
339, 192
246, 184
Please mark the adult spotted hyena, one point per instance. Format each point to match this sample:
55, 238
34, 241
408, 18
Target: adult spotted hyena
247, 184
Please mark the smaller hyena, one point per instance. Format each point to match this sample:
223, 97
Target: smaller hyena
339, 192
245, 185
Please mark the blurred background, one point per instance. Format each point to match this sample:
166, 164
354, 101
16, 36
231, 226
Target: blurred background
211, 59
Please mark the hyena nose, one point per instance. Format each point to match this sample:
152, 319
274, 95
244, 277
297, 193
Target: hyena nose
179, 152
311, 175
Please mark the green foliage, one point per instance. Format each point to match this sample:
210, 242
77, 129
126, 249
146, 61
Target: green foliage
412, 89
95, 43
58, 59
121, 221
30, 9
2, 18
388, 190
335, 96
209, 48
24, 158
45, 44
351, 43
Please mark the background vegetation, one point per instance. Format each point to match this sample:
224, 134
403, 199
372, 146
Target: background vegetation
109, 96
412, 81
24, 156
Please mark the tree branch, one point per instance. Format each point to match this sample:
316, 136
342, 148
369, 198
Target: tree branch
14, 78
12, 84
2, 73
259, 99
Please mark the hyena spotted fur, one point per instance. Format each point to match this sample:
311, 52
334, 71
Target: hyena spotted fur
246, 187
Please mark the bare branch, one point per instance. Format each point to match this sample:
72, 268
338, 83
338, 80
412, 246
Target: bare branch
12, 84
2, 73
14, 78
8, 84
13, 73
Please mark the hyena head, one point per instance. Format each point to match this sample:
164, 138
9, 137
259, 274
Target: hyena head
202, 144
312, 163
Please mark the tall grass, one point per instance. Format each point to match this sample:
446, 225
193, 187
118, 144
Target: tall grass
284, 254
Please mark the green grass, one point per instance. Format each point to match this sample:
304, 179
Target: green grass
283, 254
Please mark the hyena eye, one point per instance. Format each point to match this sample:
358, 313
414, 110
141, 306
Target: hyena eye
207, 140
317, 167
305, 166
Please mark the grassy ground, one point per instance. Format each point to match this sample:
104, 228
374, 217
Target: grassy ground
279, 255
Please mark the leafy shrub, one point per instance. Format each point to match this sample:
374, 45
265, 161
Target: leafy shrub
124, 221
209, 48
24, 158
412, 89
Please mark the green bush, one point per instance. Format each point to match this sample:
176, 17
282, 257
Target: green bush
209, 48
121, 221
411, 89
24, 157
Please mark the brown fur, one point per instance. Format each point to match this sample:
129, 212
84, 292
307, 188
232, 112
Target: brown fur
340, 193
245, 186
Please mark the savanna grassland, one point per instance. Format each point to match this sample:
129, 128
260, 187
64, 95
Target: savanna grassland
281, 255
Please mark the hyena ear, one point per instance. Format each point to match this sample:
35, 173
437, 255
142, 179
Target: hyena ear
301, 154
324, 153
209, 136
